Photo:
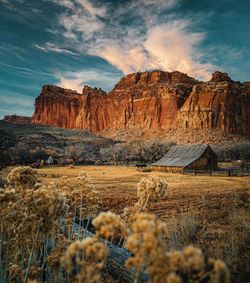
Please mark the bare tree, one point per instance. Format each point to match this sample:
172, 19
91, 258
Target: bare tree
20, 154
134, 152
76, 152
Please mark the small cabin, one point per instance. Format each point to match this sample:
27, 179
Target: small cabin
187, 157
50, 160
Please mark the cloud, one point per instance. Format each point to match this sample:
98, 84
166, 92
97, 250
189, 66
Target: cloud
36, 11
7, 97
94, 78
81, 17
136, 35
7, 4
26, 71
53, 48
171, 47
12, 50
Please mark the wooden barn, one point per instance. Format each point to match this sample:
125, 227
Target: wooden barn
194, 157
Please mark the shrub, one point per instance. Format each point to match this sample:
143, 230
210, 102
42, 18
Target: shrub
107, 224
149, 190
88, 257
233, 152
22, 177
148, 251
30, 221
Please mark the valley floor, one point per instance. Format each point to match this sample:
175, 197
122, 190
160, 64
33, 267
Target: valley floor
117, 184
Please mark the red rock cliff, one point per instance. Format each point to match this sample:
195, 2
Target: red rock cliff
152, 100
17, 119
217, 104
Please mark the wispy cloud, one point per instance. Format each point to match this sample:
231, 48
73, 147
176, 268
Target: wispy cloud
7, 4
94, 78
25, 70
36, 11
13, 50
8, 97
49, 47
81, 13
135, 36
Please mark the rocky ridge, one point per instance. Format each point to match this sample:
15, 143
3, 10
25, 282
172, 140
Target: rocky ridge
150, 101
16, 119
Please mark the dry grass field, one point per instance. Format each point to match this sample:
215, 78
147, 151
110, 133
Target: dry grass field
213, 197
210, 212
117, 184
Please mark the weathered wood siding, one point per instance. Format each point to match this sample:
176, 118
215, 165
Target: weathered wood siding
208, 161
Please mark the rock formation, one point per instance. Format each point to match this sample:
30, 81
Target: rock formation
218, 104
150, 100
17, 119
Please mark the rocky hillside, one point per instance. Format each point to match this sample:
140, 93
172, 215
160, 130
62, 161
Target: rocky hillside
33, 142
152, 101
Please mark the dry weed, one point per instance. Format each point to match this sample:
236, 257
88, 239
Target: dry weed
85, 259
22, 177
147, 246
108, 224
149, 190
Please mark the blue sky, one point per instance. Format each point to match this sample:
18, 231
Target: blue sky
75, 42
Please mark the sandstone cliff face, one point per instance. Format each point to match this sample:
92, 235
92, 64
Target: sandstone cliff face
152, 101
15, 119
149, 99
217, 104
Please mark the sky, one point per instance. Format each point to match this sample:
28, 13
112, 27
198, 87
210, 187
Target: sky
71, 43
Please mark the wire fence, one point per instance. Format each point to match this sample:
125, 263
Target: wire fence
221, 171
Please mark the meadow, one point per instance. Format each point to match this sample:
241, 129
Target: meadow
208, 212
208, 195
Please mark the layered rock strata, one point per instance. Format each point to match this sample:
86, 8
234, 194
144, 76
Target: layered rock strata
17, 119
151, 100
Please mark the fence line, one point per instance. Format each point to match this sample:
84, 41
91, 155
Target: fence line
229, 171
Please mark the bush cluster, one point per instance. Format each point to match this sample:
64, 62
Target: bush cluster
134, 152
233, 152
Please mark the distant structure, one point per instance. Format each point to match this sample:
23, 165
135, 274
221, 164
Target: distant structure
15, 119
50, 160
195, 157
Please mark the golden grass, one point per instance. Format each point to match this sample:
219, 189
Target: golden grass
118, 183
215, 202
217, 206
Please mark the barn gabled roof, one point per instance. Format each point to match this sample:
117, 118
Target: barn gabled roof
181, 156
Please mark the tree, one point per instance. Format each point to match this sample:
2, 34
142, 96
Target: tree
134, 152
76, 152
20, 154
